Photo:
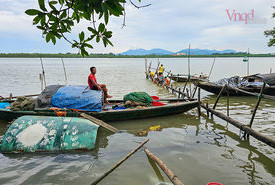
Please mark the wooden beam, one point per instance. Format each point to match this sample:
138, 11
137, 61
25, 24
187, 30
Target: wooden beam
119, 163
174, 179
265, 139
257, 105
218, 97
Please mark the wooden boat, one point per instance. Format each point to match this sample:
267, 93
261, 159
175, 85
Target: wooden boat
184, 78
173, 106
49, 134
269, 79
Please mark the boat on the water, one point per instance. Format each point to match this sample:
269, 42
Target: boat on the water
171, 107
251, 83
57, 100
184, 78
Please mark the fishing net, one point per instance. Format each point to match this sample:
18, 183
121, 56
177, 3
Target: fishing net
137, 99
23, 103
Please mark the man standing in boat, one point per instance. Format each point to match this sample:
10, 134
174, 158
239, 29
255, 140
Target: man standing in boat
95, 86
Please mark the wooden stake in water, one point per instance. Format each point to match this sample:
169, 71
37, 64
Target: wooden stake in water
174, 179
43, 72
189, 70
247, 61
119, 163
257, 105
212, 67
199, 100
65, 74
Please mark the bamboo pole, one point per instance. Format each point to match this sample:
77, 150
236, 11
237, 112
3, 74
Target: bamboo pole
257, 105
189, 70
199, 101
98, 121
207, 110
65, 74
43, 72
218, 97
11, 97
227, 100
154, 166
174, 179
253, 94
119, 163
247, 61
194, 92
212, 66
265, 139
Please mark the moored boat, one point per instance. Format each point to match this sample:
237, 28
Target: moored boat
184, 78
252, 84
171, 107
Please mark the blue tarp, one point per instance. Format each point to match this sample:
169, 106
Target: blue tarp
77, 97
3, 105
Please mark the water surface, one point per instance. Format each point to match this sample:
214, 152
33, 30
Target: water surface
199, 150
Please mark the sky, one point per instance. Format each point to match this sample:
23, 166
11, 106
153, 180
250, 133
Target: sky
171, 25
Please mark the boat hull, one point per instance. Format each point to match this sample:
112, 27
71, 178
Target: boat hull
214, 88
113, 115
185, 79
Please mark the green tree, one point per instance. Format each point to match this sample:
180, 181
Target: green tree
271, 33
55, 18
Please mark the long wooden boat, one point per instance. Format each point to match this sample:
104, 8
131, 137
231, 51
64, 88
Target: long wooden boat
184, 78
251, 83
172, 106
215, 88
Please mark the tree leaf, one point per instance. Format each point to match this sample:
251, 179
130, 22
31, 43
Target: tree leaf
42, 5
81, 36
101, 27
32, 12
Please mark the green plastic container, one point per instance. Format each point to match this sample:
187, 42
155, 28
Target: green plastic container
49, 134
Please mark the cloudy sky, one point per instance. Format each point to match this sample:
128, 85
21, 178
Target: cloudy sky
170, 25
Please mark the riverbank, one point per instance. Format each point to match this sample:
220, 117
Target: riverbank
111, 55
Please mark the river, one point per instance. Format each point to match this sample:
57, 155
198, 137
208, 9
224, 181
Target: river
197, 149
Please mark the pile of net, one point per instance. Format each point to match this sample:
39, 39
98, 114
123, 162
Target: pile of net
23, 103
135, 99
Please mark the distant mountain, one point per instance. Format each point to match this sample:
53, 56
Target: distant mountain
206, 51
155, 51
158, 51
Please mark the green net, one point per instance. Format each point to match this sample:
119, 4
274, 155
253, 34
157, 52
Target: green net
138, 98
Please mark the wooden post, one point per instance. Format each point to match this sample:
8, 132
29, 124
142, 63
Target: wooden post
218, 97
173, 178
187, 93
257, 105
227, 101
207, 111
179, 94
41, 81
98, 122
194, 92
119, 163
65, 74
172, 89
212, 66
199, 100
146, 72
265, 139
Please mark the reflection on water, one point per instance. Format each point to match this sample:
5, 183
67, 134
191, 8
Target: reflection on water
199, 150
